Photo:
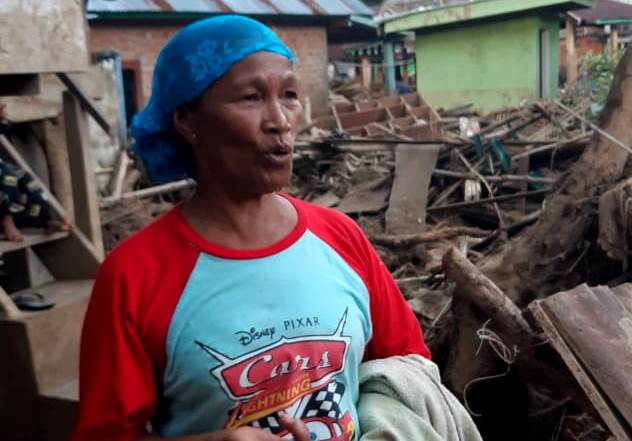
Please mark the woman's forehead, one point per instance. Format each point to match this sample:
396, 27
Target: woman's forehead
261, 65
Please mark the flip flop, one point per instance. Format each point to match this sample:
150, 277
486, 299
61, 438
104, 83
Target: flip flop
32, 302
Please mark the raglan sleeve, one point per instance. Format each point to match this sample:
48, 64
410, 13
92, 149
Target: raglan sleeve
395, 329
116, 385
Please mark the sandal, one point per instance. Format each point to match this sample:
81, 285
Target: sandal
32, 302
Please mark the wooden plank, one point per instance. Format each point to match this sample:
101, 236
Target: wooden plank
368, 197
598, 328
625, 295
366, 71
84, 189
31, 238
406, 212
8, 309
116, 183
151, 191
86, 102
29, 108
42, 36
358, 119
59, 164
581, 375
70, 258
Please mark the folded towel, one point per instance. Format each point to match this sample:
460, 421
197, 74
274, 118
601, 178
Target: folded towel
402, 399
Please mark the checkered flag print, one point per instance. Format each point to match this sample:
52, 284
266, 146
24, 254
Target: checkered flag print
269, 423
325, 402
322, 403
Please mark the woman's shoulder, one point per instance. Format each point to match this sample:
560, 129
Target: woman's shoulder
333, 227
318, 216
159, 238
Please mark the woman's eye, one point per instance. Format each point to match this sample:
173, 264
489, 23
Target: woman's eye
251, 97
290, 94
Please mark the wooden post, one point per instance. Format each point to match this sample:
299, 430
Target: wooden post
58, 164
84, 189
366, 72
613, 43
389, 67
571, 56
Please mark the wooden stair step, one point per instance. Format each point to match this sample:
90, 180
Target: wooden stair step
68, 391
32, 237
61, 292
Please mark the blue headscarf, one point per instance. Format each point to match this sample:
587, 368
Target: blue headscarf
196, 57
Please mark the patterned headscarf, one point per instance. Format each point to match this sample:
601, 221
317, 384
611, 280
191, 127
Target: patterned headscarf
196, 57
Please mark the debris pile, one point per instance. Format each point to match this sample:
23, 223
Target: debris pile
488, 224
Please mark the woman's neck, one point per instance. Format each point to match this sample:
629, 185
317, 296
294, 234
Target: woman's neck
240, 221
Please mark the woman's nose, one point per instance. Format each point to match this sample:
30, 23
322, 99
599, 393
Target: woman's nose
276, 119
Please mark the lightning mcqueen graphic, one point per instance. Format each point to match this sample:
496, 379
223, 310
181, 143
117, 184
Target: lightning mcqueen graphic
295, 375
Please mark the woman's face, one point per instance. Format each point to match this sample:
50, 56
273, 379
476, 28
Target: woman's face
244, 126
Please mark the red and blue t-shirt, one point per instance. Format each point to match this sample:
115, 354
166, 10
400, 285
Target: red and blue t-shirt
196, 337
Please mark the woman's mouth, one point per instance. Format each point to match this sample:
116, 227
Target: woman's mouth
279, 155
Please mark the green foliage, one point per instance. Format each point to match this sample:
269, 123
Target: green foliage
596, 72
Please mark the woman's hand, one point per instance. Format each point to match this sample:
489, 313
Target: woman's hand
295, 426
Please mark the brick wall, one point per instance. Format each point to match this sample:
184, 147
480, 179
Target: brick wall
141, 44
583, 45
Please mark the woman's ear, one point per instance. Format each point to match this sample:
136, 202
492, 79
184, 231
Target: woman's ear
183, 123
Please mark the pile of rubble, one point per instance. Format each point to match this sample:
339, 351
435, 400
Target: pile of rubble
490, 225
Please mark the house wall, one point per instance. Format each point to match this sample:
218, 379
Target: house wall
584, 44
494, 64
140, 44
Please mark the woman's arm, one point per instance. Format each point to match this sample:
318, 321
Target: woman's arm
116, 384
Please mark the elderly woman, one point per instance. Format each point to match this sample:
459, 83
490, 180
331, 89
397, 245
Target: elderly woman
242, 314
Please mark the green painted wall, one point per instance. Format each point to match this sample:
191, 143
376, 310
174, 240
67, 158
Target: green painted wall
492, 64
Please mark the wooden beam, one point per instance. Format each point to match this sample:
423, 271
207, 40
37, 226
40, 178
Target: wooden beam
31, 239
147, 192
506, 197
26, 108
366, 72
59, 164
86, 102
8, 309
478, 289
84, 187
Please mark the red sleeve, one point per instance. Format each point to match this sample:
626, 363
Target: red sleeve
395, 329
117, 391
123, 353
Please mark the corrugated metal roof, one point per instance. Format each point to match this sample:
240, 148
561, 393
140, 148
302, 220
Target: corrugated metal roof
292, 7
122, 5
358, 7
334, 7
194, 5
250, 7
